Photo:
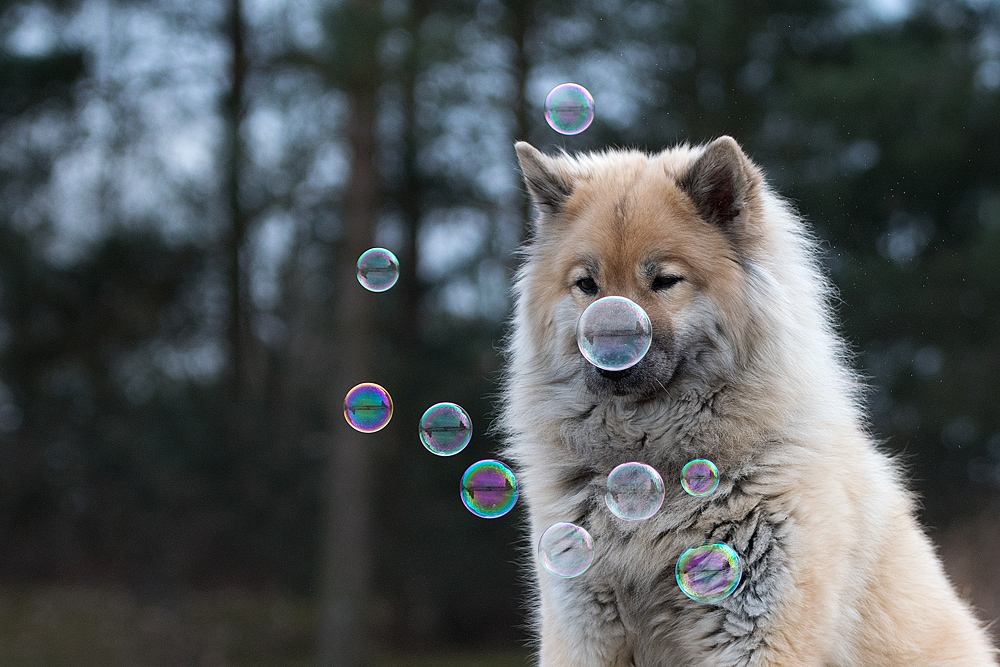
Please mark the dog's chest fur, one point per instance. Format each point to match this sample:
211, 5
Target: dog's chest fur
630, 594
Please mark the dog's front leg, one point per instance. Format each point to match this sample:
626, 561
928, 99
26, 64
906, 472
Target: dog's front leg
580, 629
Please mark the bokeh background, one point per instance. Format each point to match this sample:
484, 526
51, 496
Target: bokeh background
184, 190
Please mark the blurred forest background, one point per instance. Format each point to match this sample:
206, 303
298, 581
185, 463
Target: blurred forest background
184, 190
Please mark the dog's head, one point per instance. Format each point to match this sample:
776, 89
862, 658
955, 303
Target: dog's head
672, 232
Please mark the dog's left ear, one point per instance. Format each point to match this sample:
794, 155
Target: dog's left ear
720, 183
549, 186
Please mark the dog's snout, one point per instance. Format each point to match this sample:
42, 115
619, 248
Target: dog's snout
651, 375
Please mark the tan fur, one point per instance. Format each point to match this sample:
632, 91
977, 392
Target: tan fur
838, 574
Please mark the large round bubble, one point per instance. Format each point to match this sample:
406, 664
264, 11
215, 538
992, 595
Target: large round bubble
699, 477
709, 573
489, 489
367, 407
378, 269
614, 333
569, 108
566, 550
635, 491
445, 429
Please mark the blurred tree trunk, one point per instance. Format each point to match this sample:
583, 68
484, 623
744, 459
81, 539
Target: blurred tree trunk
410, 197
233, 110
344, 635
520, 14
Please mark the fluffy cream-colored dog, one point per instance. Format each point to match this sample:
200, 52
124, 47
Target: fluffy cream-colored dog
745, 369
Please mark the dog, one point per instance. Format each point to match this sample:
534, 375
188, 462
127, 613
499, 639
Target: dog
745, 369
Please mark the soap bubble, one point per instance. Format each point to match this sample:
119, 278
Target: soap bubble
635, 491
709, 573
569, 108
566, 550
700, 477
614, 333
368, 407
445, 429
489, 489
378, 269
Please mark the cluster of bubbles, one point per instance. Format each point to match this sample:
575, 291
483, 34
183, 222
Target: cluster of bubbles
614, 334
706, 573
488, 488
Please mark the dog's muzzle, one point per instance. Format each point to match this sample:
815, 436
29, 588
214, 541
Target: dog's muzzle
652, 375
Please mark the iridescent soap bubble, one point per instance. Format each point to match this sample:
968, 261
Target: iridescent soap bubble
445, 429
614, 333
378, 269
635, 491
368, 407
709, 573
569, 108
566, 550
700, 477
489, 489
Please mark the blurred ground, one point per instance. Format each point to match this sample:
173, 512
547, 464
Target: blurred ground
81, 626
969, 549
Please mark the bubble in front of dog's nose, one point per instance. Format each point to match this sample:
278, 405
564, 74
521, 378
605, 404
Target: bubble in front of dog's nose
569, 108
445, 429
566, 550
378, 269
635, 491
709, 573
489, 489
614, 333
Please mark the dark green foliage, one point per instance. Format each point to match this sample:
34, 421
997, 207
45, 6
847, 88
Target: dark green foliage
26, 81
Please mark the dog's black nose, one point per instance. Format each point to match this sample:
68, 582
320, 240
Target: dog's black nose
614, 376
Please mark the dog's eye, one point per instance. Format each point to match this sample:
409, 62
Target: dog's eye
665, 282
587, 285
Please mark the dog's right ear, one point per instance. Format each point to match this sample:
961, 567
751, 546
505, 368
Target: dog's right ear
548, 185
721, 184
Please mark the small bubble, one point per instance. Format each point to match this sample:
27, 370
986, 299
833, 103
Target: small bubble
700, 477
489, 489
378, 269
709, 573
614, 333
569, 108
445, 429
566, 550
368, 407
635, 491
